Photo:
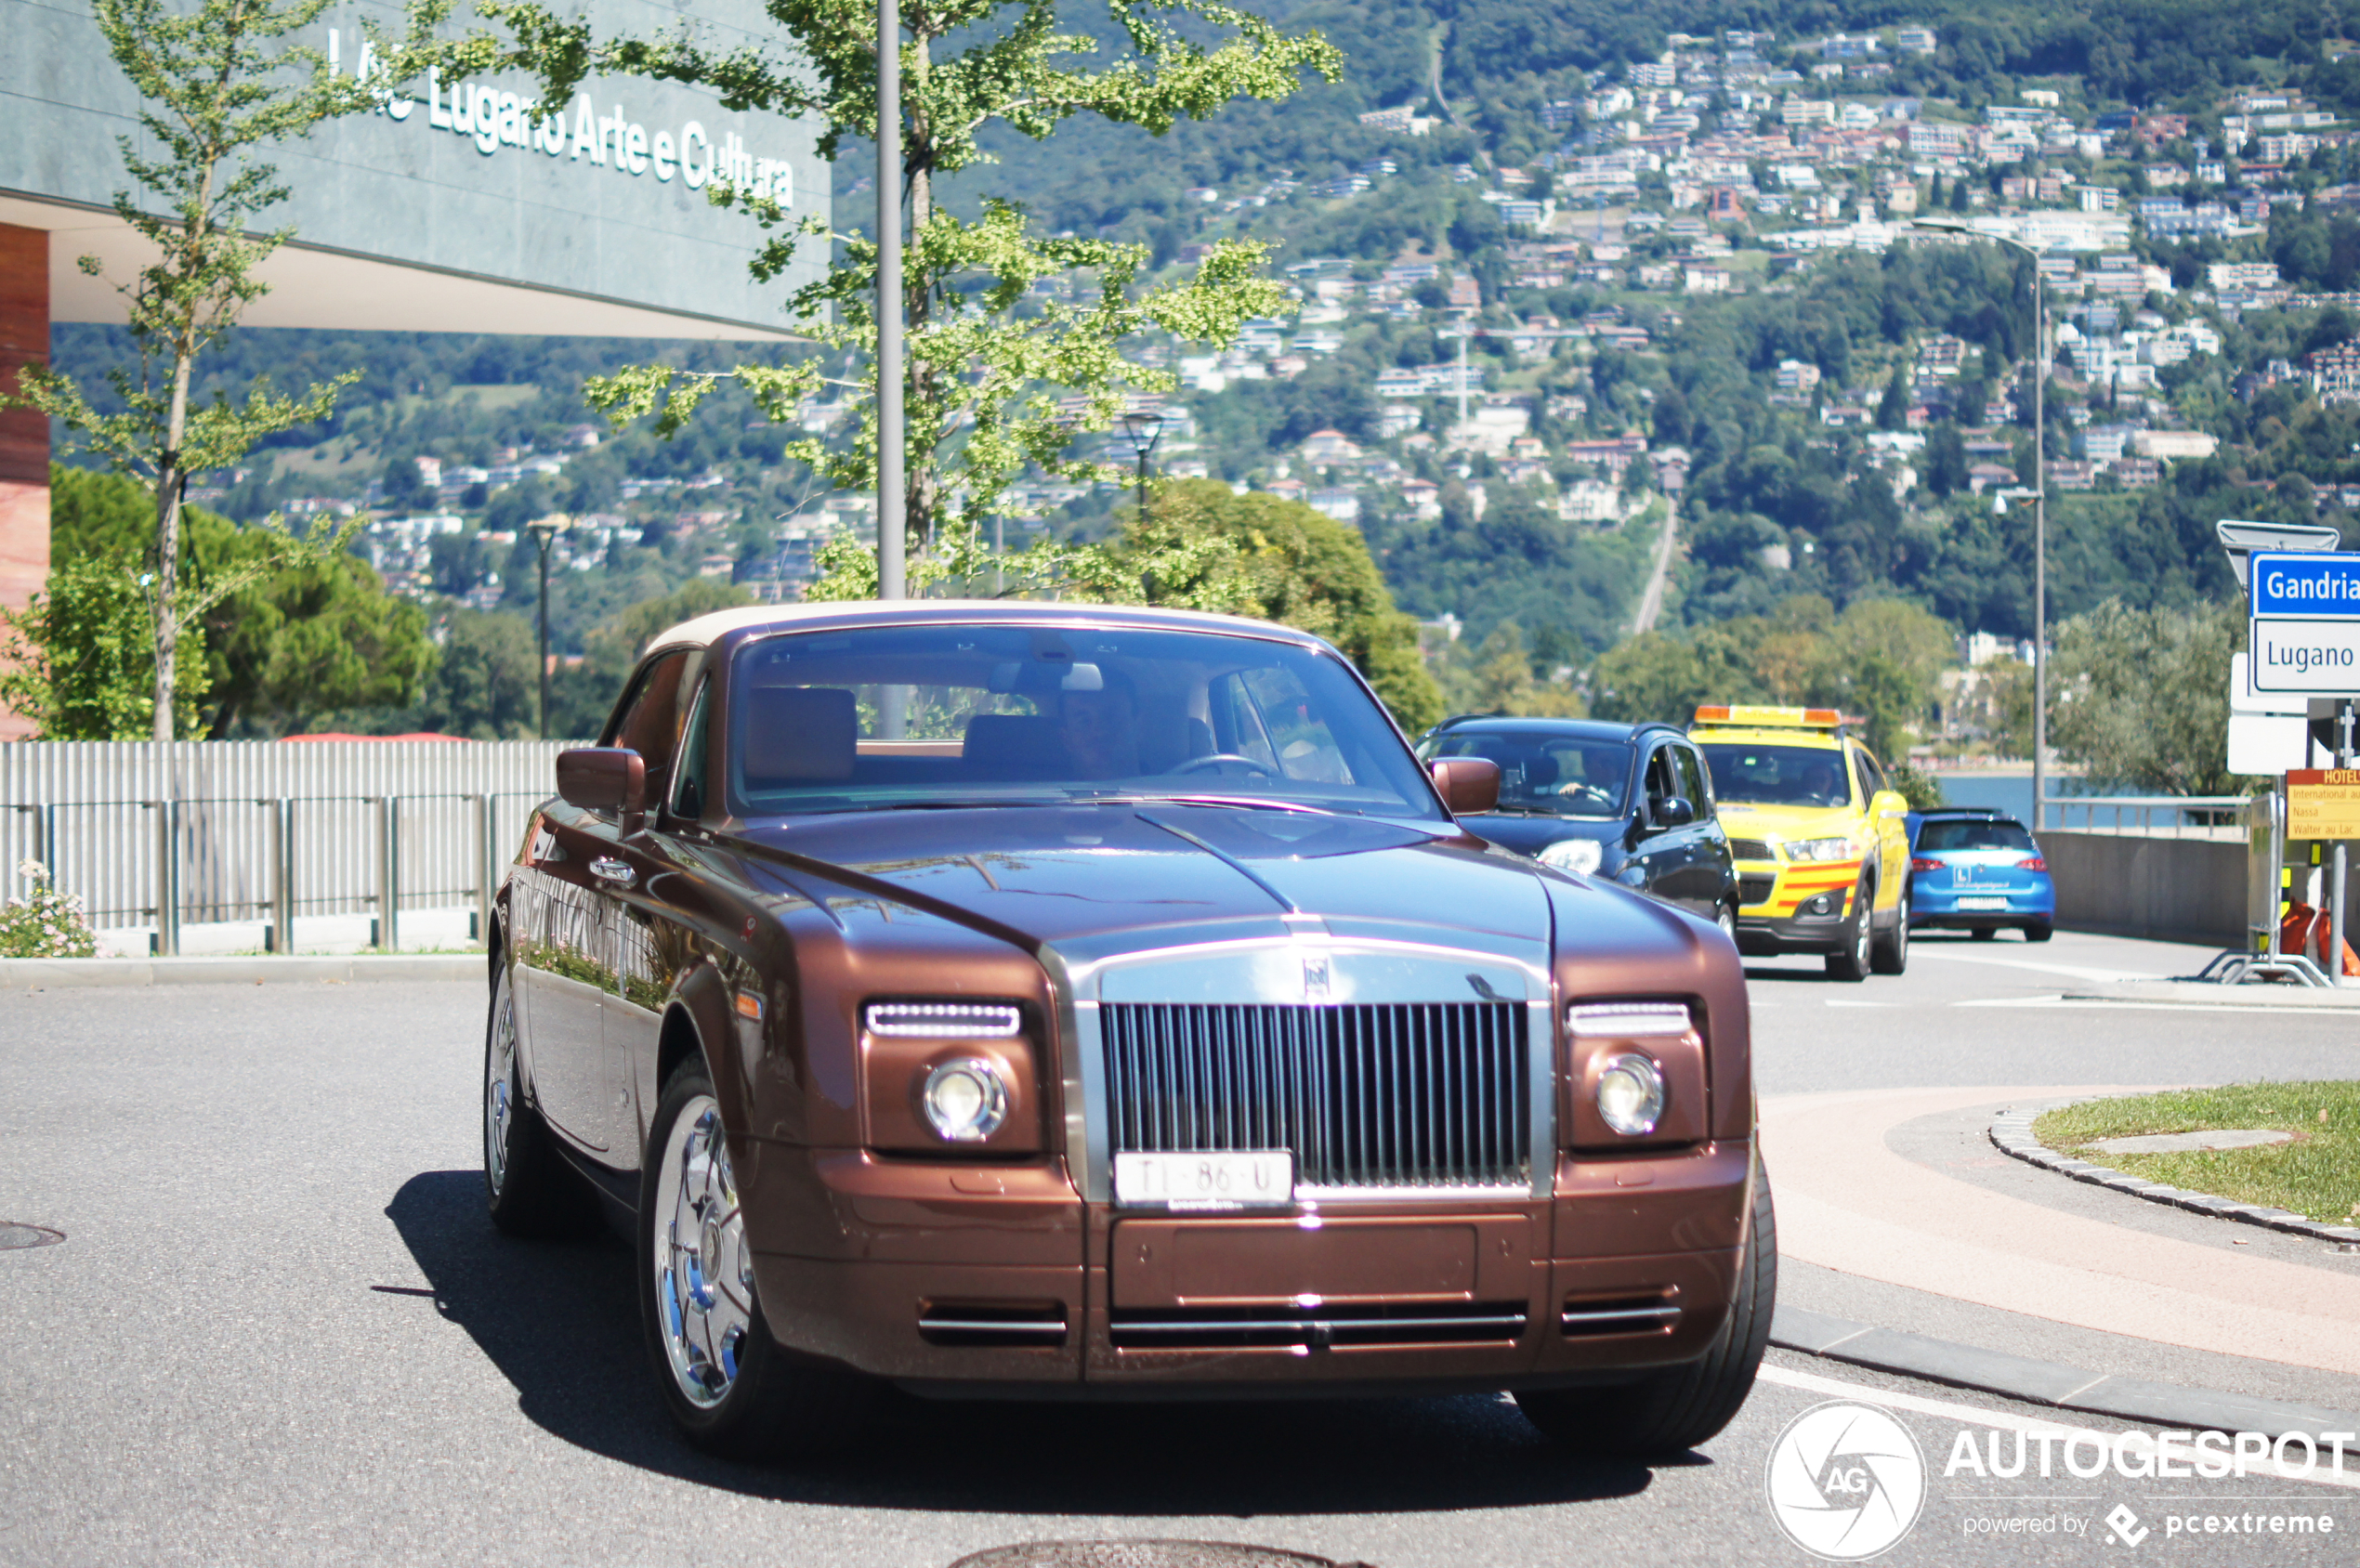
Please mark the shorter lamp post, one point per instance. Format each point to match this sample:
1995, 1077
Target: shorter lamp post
544, 531
1142, 428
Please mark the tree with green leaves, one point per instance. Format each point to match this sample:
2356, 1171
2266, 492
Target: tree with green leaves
2140, 698
1200, 547
266, 644
222, 82
982, 378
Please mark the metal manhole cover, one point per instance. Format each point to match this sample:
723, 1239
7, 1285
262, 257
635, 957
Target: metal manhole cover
1142, 1554
13, 1234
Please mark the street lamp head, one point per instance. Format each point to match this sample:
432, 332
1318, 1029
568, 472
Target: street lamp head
1142, 428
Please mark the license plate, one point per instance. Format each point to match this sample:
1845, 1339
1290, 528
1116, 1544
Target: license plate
1983, 903
1204, 1180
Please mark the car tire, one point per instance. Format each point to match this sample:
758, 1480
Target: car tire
1851, 961
1726, 919
726, 1383
1670, 1412
527, 1186
2038, 931
1985, 933
1889, 953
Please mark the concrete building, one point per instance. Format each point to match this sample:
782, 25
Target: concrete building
447, 209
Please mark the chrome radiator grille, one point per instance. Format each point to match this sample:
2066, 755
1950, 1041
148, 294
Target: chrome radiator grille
1366, 1095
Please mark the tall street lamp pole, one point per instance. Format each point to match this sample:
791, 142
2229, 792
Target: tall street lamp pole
892, 580
1142, 428
545, 533
2039, 511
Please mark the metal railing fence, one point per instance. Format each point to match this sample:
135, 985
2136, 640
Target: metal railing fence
2154, 816
159, 836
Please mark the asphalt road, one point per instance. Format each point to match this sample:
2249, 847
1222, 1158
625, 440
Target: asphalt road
279, 1329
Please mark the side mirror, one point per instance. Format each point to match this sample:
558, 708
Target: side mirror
1469, 786
604, 778
1673, 811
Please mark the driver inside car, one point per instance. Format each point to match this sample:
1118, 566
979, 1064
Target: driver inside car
1820, 782
1101, 731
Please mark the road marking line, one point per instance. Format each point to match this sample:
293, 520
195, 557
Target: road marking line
2060, 1000
2133, 1440
2070, 971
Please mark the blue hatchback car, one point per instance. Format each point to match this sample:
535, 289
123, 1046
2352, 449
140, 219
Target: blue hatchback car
1979, 872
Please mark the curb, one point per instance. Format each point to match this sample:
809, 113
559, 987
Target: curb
62, 975
2012, 1133
2185, 992
2044, 1382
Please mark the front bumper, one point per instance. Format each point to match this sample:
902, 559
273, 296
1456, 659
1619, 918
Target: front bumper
921, 1274
1795, 907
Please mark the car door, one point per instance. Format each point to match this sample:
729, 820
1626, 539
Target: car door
1658, 860
1710, 875
656, 942
1889, 820
564, 947
648, 722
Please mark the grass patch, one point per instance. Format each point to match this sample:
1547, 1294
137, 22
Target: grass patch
2316, 1176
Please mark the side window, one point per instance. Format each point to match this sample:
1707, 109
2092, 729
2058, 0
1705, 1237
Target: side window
1237, 723
1305, 747
1693, 782
1871, 776
1662, 780
688, 793
649, 720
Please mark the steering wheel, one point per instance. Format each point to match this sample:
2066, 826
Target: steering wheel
1221, 760
1589, 792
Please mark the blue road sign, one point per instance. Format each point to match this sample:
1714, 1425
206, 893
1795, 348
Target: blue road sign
2305, 586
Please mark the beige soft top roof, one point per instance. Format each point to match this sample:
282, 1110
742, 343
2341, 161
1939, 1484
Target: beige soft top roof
705, 630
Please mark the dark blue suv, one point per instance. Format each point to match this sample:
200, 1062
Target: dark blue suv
1631, 803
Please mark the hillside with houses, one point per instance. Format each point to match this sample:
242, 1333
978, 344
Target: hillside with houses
1561, 279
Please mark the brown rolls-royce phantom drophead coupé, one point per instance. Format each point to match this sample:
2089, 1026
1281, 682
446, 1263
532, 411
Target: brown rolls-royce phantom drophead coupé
1050, 1000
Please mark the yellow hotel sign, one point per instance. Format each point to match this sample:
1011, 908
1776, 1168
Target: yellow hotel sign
2322, 803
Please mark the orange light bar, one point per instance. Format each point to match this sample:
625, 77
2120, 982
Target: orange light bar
1770, 718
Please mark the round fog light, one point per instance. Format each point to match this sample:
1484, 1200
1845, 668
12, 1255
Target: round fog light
964, 1101
1631, 1095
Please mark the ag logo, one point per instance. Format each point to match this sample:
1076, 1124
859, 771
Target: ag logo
1845, 1481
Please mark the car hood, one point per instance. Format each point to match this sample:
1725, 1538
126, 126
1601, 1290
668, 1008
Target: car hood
1110, 877
1530, 835
1742, 820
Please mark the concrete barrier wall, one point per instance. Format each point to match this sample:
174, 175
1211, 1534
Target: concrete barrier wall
2172, 890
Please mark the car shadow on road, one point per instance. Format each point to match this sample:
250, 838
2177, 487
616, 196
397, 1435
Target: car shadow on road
560, 1321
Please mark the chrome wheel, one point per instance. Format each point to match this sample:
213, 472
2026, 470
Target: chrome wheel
500, 1091
703, 1273
1726, 919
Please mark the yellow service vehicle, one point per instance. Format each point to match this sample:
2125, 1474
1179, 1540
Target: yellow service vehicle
1820, 837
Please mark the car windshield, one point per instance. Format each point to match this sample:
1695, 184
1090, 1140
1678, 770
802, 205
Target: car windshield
914, 717
1556, 775
1777, 775
1935, 837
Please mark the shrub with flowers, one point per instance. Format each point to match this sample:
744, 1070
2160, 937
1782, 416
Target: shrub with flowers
45, 923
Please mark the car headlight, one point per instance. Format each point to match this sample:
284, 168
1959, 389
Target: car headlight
1630, 1094
1818, 849
1577, 855
964, 1101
